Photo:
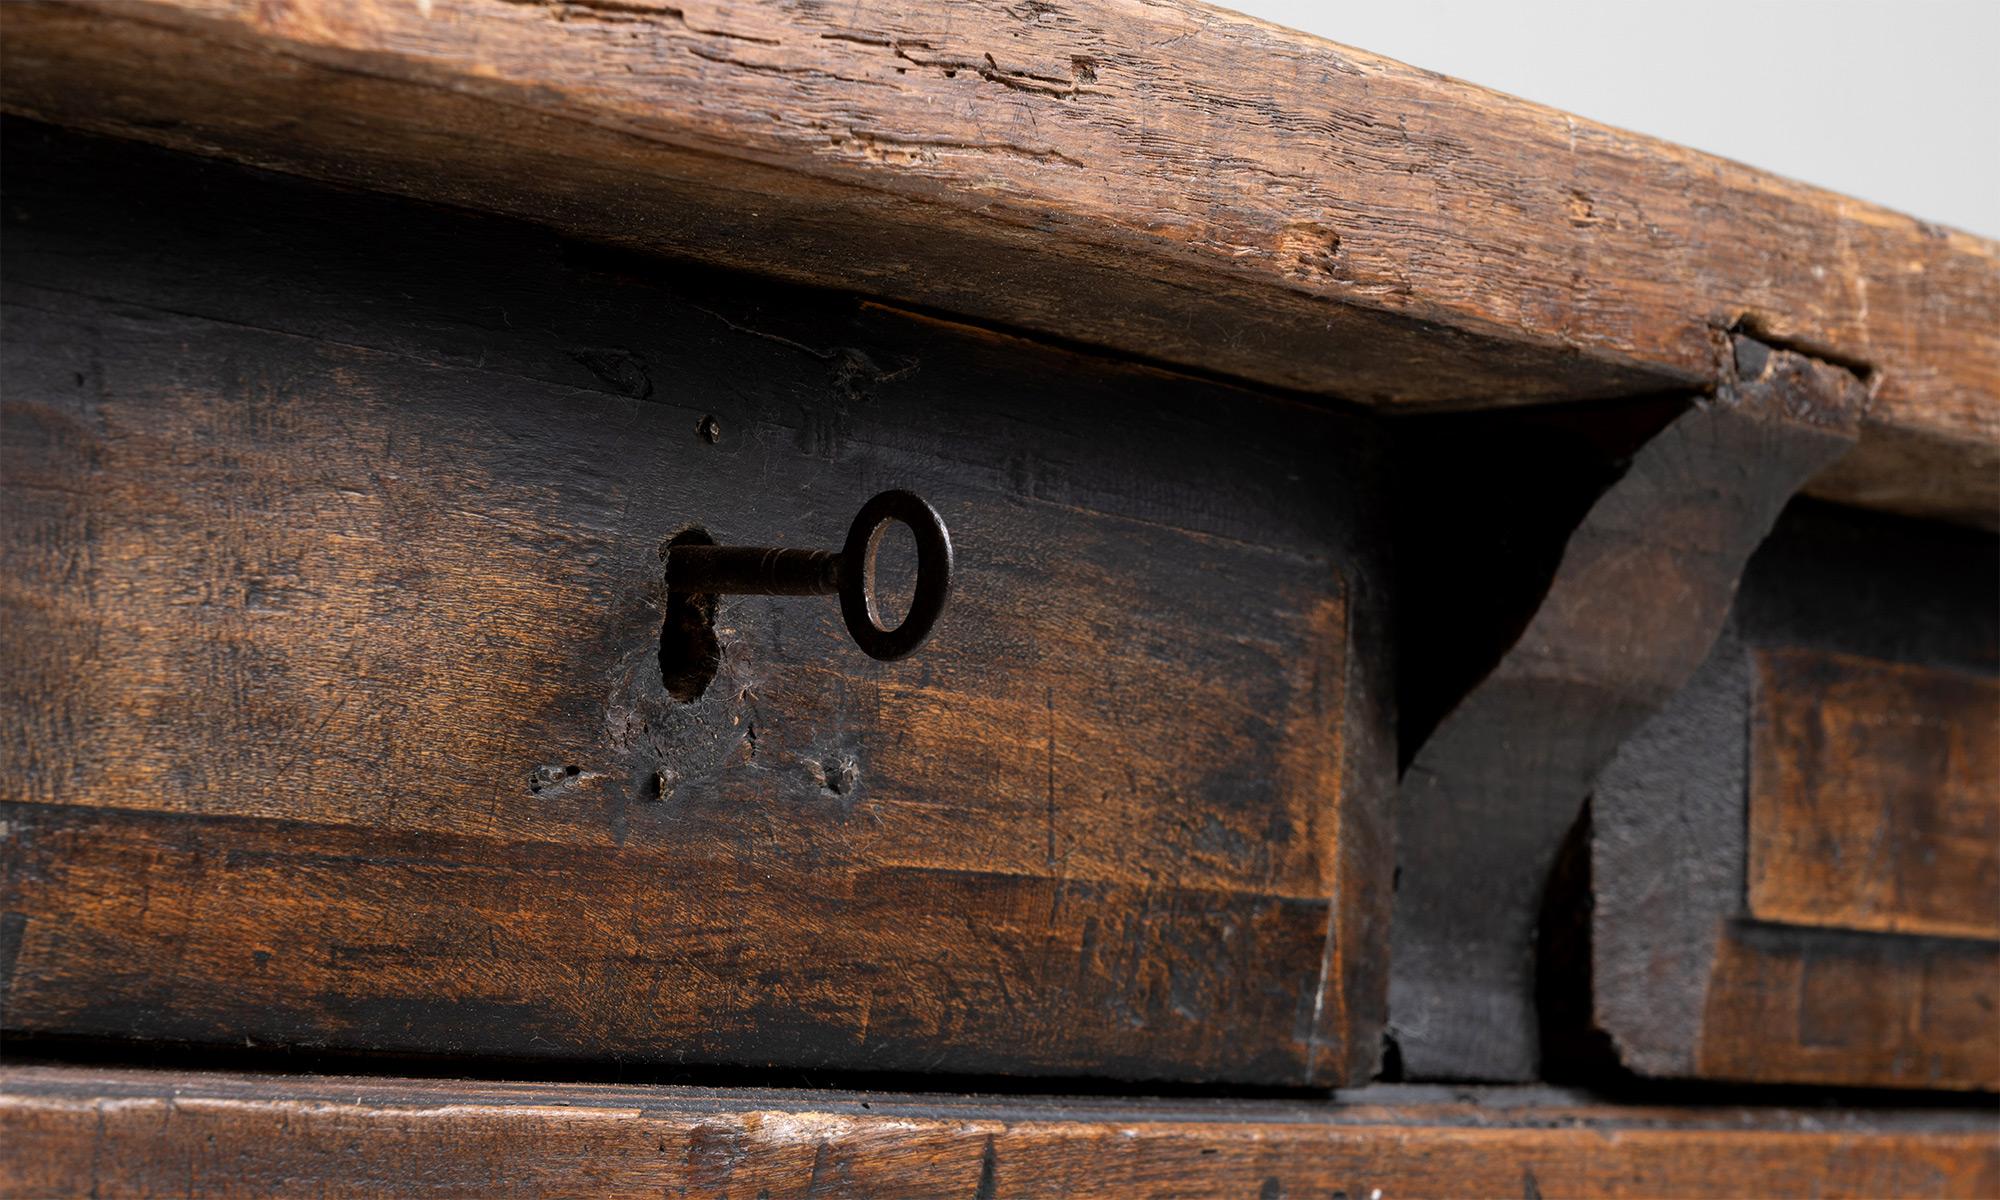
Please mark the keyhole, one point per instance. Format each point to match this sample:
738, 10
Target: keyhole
689, 651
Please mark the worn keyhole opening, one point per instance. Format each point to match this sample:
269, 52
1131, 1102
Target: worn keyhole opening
890, 573
690, 653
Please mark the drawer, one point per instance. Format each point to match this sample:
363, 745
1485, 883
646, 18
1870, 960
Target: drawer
1372, 741
1796, 867
349, 713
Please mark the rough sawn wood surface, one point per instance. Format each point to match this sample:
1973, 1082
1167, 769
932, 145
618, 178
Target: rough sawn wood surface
1169, 179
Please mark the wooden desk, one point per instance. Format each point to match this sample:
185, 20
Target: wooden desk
1443, 593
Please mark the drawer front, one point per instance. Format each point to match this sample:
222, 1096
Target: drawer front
1874, 795
1796, 867
334, 616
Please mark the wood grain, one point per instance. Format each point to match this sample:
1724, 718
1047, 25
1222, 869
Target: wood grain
132, 1133
1686, 987
1797, 719
1874, 795
332, 608
1793, 1004
1168, 179
240, 932
1643, 588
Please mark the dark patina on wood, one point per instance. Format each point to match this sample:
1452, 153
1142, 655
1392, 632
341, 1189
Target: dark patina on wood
333, 614
1874, 795
146, 1133
1643, 588
1857, 678
1166, 178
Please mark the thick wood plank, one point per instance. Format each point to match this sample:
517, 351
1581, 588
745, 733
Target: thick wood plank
332, 609
1874, 795
1791, 1004
1169, 179
131, 1133
1642, 591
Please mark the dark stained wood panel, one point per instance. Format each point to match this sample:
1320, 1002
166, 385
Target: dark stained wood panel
233, 931
1876, 585
1169, 179
120, 1133
1791, 1004
1874, 795
333, 614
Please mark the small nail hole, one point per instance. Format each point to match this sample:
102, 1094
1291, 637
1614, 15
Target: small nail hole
689, 651
550, 778
837, 775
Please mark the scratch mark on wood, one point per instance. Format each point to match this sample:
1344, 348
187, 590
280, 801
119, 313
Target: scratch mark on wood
1049, 697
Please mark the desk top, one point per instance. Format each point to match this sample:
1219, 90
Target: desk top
1167, 180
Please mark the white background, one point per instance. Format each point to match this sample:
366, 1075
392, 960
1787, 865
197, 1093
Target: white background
1894, 102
